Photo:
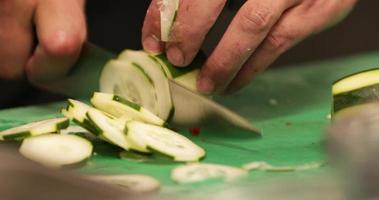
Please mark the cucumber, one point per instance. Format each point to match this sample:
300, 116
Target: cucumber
197, 172
163, 140
76, 111
56, 150
109, 129
130, 81
78, 131
168, 13
130, 182
356, 89
120, 107
185, 76
34, 129
157, 74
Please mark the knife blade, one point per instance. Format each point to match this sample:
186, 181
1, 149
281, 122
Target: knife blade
191, 109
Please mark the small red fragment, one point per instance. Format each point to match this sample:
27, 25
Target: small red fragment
195, 131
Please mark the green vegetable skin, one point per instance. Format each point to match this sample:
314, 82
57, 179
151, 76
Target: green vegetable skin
356, 89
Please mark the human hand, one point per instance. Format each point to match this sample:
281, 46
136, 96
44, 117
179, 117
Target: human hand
259, 33
40, 38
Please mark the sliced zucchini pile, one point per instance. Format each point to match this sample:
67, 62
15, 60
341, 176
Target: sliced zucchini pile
144, 79
49, 142
356, 89
130, 126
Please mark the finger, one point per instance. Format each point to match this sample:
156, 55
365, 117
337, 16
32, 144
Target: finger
194, 20
61, 32
16, 37
151, 31
247, 30
295, 25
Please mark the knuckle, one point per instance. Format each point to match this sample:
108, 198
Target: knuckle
256, 19
63, 44
279, 40
220, 68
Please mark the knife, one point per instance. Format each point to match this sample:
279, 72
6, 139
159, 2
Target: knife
191, 109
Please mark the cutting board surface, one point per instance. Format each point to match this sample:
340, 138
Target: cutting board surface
290, 105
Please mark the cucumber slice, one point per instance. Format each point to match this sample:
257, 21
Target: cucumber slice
356, 89
155, 71
72, 130
120, 107
76, 111
197, 172
78, 131
168, 13
34, 129
164, 141
131, 182
128, 80
109, 128
56, 150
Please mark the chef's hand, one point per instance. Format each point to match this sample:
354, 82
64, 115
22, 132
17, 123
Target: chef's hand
259, 33
40, 38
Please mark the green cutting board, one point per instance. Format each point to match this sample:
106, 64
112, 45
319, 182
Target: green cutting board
290, 105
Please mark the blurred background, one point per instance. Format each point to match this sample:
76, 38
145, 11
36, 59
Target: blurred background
116, 24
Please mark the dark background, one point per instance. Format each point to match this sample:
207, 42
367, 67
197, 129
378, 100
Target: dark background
116, 24
112, 24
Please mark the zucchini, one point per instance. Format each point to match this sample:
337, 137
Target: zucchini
185, 76
120, 107
130, 81
130, 182
76, 111
56, 150
34, 129
157, 74
356, 89
168, 13
197, 172
162, 140
109, 129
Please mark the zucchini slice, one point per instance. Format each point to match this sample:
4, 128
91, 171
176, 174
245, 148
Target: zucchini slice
108, 128
56, 150
197, 172
168, 13
34, 129
356, 89
131, 182
164, 141
78, 131
76, 111
157, 74
120, 107
130, 81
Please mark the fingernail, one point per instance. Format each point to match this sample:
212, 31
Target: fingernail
152, 44
205, 86
175, 55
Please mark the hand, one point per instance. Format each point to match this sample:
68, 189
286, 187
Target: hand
259, 33
40, 38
